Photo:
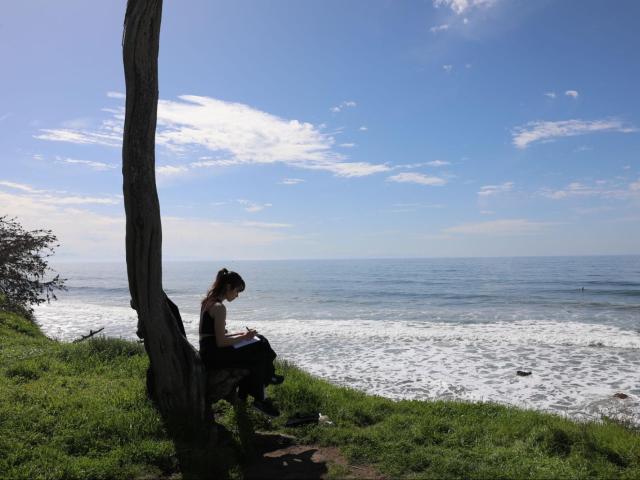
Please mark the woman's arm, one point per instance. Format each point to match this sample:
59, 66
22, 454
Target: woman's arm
223, 339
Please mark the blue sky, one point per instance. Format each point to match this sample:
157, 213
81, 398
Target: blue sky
332, 129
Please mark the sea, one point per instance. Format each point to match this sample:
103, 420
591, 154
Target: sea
446, 328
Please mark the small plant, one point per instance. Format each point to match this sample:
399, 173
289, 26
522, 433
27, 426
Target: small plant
25, 276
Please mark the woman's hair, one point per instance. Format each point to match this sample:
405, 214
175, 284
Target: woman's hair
224, 278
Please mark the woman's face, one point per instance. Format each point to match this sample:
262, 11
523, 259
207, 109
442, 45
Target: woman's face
232, 294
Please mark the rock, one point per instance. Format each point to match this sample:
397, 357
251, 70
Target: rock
621, 395
522, 373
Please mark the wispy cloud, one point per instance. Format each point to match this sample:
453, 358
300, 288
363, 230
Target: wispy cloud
291, 181
489, 190
433, 163
343, 105
101, 166
419, 178
572, 93
447, 68
532, 132
102, 235
439, 28
499, 227
363, 128
438, 163
461, 6
253, 207
347, 145
237, 132
411, 207
5, 116
19, 186
601, 188
550, 94
167, 171
116, 95
59, 198
85, 137
266, 225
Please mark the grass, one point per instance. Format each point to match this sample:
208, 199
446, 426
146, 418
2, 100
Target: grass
76, 411
445, 439
80, 411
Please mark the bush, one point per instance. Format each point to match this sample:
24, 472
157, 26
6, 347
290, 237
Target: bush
25, 276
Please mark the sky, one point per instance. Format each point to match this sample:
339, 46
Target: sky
331, 129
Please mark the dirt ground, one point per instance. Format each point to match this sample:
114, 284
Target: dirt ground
280, 457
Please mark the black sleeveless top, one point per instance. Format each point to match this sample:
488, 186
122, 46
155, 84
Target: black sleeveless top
207, 331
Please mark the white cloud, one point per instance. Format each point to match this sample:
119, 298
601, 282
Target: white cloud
550, 94
5, 116
291, 181
487, 212
58, 198
343, 105
461, 6
489, 190
101, 166
350, 169
363, 128
433, 163
602, 188
499, 227
252, 207
571, 93
102, 236
20, 186
171, 170
348, 145
419, 178
447, 68
439, 28
205, 162
438, 163
266, 225
546, 131
116, 95
243, 135
80, 137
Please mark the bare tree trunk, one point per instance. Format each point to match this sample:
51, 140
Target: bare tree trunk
177, 374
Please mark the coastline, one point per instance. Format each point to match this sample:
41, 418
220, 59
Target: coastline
79, 410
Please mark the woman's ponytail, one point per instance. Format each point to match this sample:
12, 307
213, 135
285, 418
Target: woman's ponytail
223, 279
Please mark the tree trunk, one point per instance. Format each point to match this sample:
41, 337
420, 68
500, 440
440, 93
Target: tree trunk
177, 374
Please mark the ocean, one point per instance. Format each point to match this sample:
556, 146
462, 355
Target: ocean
413, 328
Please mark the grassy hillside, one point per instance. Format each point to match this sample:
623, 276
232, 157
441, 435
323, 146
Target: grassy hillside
80, 411
75, 410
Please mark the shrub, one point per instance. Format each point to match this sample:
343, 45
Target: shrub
25, 276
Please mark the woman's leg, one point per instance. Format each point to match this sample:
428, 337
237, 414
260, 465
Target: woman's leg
253, 358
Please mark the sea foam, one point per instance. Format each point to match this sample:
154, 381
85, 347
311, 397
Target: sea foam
576, 368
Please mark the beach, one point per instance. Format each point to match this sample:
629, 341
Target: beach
415, 328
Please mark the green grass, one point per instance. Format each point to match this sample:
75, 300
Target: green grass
75, 410
444, 439
80, 411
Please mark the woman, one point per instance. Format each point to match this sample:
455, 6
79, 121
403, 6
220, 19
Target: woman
219, 348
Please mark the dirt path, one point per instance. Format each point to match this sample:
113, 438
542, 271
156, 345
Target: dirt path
281, 458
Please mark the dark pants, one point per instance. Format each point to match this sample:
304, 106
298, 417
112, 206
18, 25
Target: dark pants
257, 358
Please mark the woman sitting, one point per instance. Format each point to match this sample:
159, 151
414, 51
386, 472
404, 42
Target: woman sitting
248, 350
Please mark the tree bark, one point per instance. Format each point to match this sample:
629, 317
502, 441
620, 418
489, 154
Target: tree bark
177, 374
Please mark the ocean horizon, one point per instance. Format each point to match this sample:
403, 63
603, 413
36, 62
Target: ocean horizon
413, 328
